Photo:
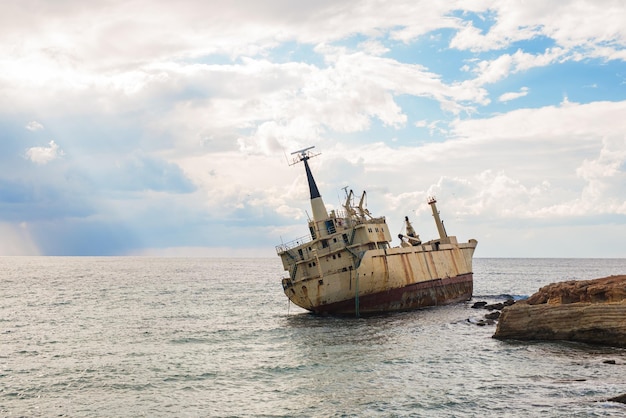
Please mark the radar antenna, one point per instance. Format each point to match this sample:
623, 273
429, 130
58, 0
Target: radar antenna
303, 155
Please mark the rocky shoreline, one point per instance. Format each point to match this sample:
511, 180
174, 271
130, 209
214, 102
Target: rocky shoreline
588, 311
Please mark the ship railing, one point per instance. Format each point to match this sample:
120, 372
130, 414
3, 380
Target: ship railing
292, 244
343, 223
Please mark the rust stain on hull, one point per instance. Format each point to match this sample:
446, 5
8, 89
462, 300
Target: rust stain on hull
414, 296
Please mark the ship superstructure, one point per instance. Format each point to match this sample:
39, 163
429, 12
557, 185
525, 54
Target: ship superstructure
346, 265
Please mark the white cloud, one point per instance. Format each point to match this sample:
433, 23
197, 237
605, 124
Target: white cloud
34, 126
283, 103
492, 71
605, 176
597, 26
506, 97
207, 86
543, 163
373, 47
568, 122
43, 155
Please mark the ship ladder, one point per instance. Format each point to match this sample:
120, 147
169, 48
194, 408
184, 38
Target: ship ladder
295, 264
293, 257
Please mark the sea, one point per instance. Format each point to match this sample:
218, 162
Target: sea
216, 337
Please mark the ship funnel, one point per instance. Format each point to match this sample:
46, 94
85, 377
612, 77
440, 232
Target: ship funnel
317, 204
442, 231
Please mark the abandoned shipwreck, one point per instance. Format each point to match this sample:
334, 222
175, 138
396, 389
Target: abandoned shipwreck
346, 265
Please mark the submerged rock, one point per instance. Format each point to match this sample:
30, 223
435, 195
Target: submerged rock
590, 311
493, 315
494, 311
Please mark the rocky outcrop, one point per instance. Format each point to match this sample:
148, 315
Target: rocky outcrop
590, 311
605, 290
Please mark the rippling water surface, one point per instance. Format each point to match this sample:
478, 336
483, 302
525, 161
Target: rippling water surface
217, 337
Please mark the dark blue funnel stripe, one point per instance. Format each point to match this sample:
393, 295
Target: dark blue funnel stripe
312, 186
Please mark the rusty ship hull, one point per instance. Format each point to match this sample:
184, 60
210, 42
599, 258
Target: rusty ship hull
383, 280
413, 296
347, 266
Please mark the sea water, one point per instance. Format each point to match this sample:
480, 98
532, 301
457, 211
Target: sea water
195, 337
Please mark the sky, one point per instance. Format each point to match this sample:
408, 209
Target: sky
151, 127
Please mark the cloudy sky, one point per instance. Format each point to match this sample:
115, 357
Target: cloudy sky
159, 127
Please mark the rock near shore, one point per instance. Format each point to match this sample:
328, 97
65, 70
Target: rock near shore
590, 311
